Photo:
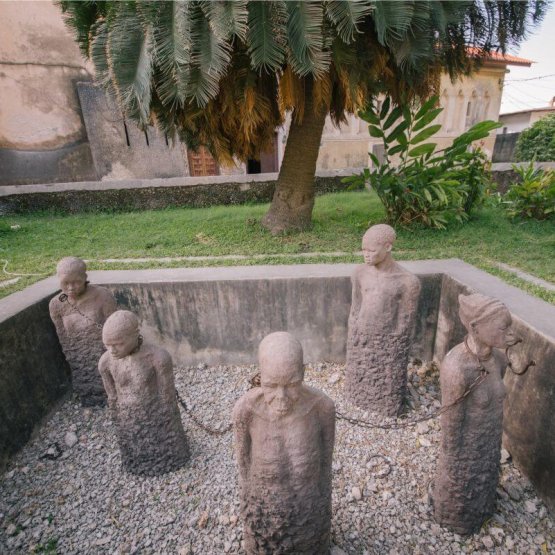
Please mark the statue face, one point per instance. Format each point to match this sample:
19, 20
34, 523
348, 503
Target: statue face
281, 390
496, 331
375, 252
120, 345
73, 284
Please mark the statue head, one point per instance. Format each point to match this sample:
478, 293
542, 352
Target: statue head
487, 320
120, 333
72, 273
377, 244
280, 358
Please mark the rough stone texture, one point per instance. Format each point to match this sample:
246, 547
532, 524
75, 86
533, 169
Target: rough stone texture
141, 397
120, 146
33, 375
119, 196
71, 162
530, 408
284, 438
381, 324
80, 338
84, 502
463, 492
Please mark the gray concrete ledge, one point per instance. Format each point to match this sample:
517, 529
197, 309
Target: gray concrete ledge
218, 316
107, 185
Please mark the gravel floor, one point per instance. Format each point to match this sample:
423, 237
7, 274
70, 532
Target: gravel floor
83, 503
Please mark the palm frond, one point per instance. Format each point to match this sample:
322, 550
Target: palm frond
129, 53
392, 19
228, 18
347, 15
210, 57
265, 35
305, 38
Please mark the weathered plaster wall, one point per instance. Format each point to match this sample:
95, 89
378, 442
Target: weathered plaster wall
39, 63
33, 374
42, 136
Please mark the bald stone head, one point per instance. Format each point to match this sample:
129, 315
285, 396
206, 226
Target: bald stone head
72, 273
120, 333
280, 357
377, 243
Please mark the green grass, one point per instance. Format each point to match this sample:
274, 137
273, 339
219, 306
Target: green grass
339, 222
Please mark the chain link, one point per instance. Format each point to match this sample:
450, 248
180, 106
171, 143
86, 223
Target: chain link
399, 425
63, 298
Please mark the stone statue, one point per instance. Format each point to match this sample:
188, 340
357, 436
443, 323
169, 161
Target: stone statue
78, 314
138, 379
284, 437
381, 325
463, 492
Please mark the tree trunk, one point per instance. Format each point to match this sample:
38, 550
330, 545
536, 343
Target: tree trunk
291, 208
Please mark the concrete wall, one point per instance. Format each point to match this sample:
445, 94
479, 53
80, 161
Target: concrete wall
149, 194
40, 115
504, 147
218, 315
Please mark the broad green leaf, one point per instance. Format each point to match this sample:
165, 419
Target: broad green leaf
395, 150
374, 159
394, 135
385, 107
375, 132
393, 116
369, 116
425, 134
428, 105
427, 118
421, 150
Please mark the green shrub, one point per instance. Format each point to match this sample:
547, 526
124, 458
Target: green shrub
533, 196
537, 142
427, 187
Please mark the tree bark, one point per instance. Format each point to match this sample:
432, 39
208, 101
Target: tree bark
293, 201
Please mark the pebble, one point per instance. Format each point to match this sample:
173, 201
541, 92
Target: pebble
84, 497
488, 542
71, 439
530, 507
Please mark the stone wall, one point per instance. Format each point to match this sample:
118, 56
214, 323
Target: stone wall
128, 195
218, 316
33, 374
503, 150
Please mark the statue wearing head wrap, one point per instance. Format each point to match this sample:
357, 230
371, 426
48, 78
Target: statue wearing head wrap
141, 397
463, 492
78, 315
381, 324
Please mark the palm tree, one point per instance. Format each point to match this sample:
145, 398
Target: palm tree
225, 73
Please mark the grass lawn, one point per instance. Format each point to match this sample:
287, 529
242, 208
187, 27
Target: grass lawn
339, 222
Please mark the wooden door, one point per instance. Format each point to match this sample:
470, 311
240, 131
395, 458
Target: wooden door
202, 162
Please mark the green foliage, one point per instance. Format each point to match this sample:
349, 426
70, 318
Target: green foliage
427, 187
224, 73
533, 196
537, 142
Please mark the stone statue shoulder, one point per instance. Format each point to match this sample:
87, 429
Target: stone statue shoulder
104, 361
55, 306
99, 292
459, 367
160, 357
320, 400
245, 405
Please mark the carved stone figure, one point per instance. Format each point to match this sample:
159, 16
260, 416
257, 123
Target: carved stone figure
284, 437
381, 325
463, 492
141, 397
78, 318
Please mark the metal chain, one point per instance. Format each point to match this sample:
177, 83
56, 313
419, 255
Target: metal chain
63, 298
208, 429
254, 381
399, 425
